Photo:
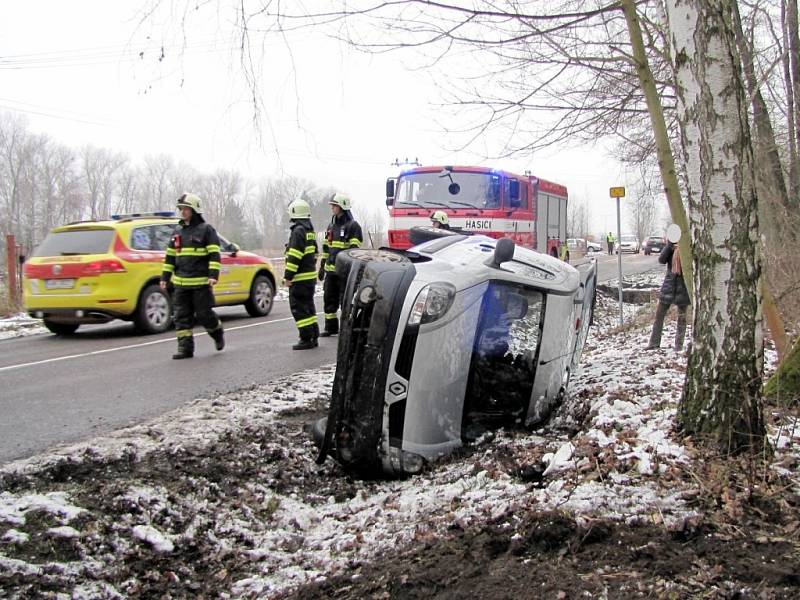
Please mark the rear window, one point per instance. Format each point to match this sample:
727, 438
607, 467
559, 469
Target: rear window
76, 242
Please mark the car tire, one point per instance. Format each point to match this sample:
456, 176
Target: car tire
262, 293
423, 233
154, 310
344, 260
61, 328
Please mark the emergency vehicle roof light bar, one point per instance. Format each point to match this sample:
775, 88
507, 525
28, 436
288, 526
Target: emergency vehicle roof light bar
143, 215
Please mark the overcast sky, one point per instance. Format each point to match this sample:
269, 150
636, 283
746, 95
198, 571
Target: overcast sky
334, 115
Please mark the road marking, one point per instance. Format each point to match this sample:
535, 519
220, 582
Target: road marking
131, 346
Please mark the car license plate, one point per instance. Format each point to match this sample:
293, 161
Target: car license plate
59, 284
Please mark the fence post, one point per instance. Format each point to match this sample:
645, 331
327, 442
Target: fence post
11, 271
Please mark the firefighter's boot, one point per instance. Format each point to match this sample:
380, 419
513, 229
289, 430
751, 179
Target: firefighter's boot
331, 327
305, 344
185, 347
219, 338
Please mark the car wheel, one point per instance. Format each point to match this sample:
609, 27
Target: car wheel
345, 259
261, 295
61, 328
423, 233
154, 311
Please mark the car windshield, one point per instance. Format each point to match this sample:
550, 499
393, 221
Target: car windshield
75, 242
628, 238
449, 189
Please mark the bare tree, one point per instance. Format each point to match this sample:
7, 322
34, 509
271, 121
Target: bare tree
722, 395
577, 218
15, 160
99, 167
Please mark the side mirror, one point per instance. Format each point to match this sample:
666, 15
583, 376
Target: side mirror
233, 248
503, 252
674, 233
390, 192
581, 295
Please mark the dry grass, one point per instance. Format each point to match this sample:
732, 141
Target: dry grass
7, 308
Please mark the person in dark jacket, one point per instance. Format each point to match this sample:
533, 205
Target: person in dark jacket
191, 268
300, 274
673, 291
343, 233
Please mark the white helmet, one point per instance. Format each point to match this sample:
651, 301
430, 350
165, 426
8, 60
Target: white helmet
341, 201
299, 209
440, 216
190, 201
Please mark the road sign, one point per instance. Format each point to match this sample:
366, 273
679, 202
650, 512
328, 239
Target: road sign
617, 192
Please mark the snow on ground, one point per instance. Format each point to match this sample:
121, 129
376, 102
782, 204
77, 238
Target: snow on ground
20, 325
234, 477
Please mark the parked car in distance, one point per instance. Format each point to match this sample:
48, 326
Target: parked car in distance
654, 243
97, 271
593, 246
445, 341
627, 243
576, 248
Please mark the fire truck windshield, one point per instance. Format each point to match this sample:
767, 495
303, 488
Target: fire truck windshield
450, 189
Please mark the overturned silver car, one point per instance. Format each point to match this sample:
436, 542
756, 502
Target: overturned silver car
442, 342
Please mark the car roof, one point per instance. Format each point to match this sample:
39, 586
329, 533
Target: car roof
120, 220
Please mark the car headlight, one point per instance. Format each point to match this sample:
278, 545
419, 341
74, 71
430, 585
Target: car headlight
432, 302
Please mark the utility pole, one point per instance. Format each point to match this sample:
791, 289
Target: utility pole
617, 193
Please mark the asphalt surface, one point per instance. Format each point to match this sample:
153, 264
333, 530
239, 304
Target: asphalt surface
56, 390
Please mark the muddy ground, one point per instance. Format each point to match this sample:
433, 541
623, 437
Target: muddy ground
744, 546
549, 556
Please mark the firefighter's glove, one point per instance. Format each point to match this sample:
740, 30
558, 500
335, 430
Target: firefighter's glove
321, 273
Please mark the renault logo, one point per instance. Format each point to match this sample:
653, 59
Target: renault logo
397, 388
56, 269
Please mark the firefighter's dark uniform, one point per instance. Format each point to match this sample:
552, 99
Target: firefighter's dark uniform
343, 233
301, 252
192, 258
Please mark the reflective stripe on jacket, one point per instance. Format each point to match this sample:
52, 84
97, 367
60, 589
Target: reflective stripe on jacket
343, 233
301, 252
192, 255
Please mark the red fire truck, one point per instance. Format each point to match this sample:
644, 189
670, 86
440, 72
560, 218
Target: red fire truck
529, 210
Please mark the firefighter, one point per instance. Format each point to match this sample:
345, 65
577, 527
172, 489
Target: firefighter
300, 275
439, 220
191, 267
343, 233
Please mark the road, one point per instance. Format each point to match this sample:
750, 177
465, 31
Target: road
65, 389
56, 390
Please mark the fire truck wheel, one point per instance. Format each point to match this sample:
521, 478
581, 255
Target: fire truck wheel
422, 233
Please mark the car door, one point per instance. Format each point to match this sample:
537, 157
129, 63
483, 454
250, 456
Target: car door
233, 274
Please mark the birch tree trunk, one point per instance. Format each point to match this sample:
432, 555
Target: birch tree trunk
721, 399
792, 75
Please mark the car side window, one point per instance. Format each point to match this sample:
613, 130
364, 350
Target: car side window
163, 234
141, 238
151, 237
